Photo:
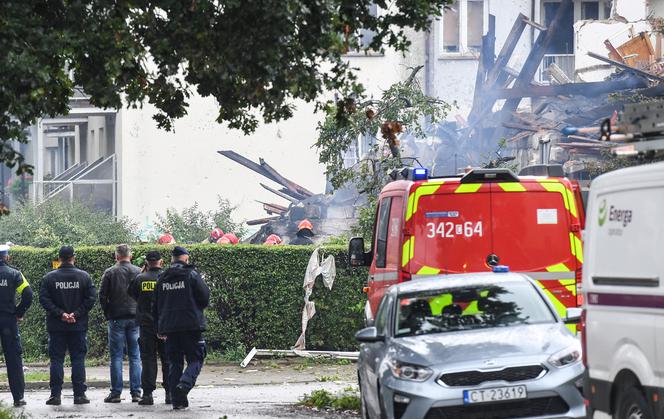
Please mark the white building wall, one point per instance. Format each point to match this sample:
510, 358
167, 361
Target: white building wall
454, 75
159, 169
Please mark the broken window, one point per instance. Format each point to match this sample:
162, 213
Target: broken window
590, 10
475, 24
462, 26
451, 28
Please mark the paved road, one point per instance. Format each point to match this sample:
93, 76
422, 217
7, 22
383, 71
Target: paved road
235, 402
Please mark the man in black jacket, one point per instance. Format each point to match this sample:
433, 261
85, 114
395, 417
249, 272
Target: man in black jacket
141, 289
12, 283
181, 295
120, 311
67, 294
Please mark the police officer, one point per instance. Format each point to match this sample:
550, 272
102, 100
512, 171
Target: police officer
142, 290
67, 294
12, 282
181, 295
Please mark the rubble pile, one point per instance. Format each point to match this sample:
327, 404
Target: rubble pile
332, 215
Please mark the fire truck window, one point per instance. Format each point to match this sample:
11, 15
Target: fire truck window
381, 236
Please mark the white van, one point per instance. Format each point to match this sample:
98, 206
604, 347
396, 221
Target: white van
623, 283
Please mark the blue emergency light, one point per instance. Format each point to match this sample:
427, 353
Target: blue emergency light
420, 173
501, 269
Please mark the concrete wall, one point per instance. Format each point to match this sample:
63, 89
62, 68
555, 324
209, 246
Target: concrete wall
590, 36
454, 76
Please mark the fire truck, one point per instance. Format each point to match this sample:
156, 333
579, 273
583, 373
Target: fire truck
470, 223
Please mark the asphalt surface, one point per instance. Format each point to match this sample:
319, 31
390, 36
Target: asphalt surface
236, 402
265, 389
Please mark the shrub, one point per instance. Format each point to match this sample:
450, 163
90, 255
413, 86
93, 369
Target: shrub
57, 222
193, 225
256, 296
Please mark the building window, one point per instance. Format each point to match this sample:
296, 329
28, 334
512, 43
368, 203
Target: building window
463, 24
590, 10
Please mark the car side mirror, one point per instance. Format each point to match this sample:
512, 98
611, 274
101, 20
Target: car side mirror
573, 315
356, 254
369, 335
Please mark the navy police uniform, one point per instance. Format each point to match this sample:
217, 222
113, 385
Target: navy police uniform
181, 295
13, 283
67, 290
142, 289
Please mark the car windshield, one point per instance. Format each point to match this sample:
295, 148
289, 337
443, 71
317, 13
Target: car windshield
471, 307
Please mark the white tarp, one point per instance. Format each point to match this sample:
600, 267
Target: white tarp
316, 267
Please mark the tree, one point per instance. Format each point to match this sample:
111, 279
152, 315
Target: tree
57, 222
253, 57
193, 225
402, 107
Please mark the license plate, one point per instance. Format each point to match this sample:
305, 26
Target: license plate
496, 394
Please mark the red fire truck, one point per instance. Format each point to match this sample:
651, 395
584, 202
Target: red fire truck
471, 223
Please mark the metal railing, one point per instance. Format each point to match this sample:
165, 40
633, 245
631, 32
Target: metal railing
564, 61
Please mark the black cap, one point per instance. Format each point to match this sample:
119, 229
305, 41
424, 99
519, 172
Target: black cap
66, 252
179, 251
152, 256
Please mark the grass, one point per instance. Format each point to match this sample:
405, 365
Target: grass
234, 355
9, 413
29, 376
324, 400
328, 378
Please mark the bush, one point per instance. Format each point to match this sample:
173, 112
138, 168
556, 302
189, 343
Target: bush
57, 222
257, 297
193, 225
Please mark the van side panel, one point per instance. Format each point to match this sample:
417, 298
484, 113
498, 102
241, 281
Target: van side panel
450, 228
624, 284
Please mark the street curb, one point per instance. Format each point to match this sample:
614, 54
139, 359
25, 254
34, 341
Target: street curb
44, 385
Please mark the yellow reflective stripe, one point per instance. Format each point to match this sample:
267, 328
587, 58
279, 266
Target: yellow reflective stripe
560, 307
429, 188
428, 270
408, 251
468, 188
552, 185
512, 187
437, 304
23, 285
471, 309
409, 208
560, 267
576, 246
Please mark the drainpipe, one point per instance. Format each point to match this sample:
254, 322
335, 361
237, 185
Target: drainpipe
430, 59
532, 18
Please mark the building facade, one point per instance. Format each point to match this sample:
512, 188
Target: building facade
118, 161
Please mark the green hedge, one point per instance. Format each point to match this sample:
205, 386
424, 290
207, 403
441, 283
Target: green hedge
256, 300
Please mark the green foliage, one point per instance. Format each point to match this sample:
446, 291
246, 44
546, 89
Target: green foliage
402, 102
256, 299
366, 218
254, 58
56, 222
193, 225
612, 162
347, 400
9, 413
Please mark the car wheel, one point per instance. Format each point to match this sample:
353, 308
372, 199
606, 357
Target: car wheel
632, 405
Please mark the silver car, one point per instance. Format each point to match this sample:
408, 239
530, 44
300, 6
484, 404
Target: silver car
486, 345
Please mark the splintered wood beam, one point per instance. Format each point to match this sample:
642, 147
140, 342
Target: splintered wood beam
536, 54
259, 221
276, 208
295, 195
247, 163
588, 89
280, 194
625, 66
485, 63
289, 184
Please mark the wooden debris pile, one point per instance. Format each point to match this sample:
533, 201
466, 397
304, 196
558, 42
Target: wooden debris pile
538, 135
329, 214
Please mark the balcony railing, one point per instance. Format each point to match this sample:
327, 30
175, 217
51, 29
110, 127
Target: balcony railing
564, 61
